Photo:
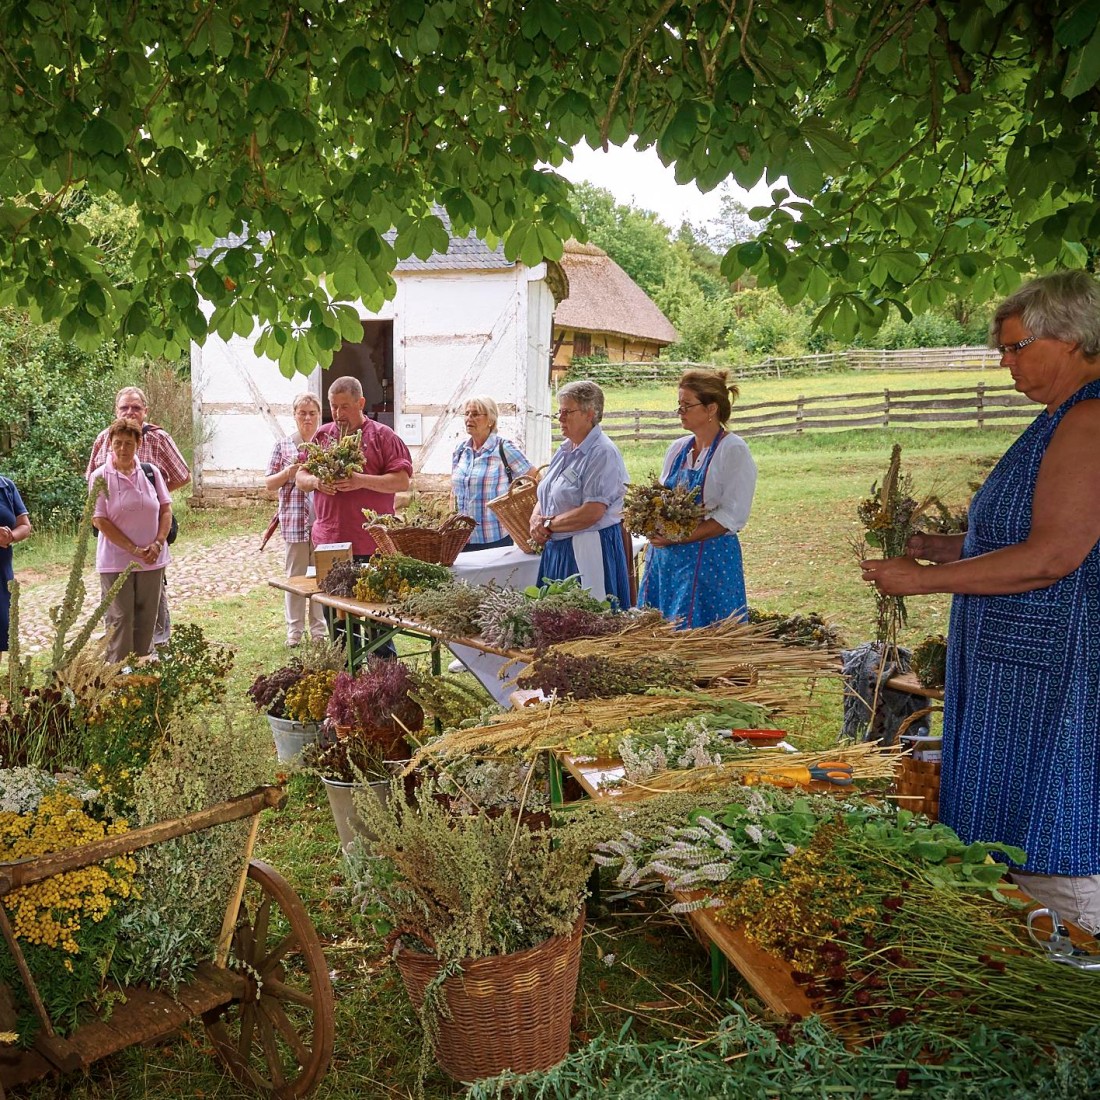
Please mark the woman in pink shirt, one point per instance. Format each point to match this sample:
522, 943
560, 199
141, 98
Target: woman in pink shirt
133, 513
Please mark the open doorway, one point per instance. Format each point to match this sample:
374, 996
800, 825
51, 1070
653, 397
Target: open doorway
371, 361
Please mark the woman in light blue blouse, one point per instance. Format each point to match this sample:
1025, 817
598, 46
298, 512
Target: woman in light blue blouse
578, 518
482, 467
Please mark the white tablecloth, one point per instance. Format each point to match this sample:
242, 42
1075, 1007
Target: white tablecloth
509, 567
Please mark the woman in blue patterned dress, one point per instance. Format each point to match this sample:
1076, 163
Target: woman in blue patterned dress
1021, 760
15, 526
700, 579
579, 516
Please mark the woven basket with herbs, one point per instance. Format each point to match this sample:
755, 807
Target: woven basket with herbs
438, 545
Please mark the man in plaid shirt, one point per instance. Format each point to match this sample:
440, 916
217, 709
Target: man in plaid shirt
159, 448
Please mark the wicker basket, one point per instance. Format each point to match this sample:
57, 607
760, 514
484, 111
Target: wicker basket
438, 545
917, 782
514, 509
507, 1012
917, 786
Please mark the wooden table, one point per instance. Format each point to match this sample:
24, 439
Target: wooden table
908, 682
383, 626
767, 974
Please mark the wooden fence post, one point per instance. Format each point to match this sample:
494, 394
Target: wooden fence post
981, 405
799, 412
637, 425
886, 408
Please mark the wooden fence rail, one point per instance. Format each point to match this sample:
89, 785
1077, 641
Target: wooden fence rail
982, 406
899, 359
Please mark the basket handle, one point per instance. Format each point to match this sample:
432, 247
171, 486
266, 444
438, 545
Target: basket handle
458, 520
395, 934
903, 727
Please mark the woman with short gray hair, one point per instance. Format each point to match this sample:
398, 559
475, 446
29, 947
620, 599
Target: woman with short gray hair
1021, 722
585, 395
578, 518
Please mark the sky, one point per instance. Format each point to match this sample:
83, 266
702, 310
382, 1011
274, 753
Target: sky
638, 178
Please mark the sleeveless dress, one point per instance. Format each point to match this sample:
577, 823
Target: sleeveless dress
1021, 752
696, 582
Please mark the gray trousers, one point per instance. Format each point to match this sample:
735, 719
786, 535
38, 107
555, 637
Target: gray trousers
163, 629
132, 615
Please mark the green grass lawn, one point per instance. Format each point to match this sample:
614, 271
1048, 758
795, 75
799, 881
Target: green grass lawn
798, 557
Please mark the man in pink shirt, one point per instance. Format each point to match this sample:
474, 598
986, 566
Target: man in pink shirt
387, 470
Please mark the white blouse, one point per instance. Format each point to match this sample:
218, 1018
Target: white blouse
730, 483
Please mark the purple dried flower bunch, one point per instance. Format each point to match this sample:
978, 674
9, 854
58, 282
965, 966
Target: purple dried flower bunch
597, 677
376, 699
268, 692
564, 624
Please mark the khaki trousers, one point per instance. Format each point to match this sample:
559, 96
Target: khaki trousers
133, 613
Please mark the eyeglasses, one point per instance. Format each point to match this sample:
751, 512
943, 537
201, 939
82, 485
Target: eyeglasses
684, 408
130, 408
1005, 349
563, 413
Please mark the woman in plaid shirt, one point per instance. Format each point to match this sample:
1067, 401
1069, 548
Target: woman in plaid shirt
482, 468
296, 515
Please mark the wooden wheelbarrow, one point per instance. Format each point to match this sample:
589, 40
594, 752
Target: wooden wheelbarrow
265, 998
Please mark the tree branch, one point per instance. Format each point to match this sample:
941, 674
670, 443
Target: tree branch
635, 48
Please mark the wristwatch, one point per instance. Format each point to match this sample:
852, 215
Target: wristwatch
546, 521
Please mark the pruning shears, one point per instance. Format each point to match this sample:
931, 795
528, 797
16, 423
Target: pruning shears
1058, 946
798, 775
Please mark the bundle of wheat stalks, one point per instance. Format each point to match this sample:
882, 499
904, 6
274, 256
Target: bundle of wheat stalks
867, 760
556, 725
724, 649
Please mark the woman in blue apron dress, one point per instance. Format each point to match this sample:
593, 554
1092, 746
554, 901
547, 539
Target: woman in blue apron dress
700, 579
1021, 712
578, 518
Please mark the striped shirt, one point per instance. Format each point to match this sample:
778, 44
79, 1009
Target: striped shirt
478, 475
295, 507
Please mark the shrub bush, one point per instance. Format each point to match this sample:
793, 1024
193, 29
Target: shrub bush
57, 399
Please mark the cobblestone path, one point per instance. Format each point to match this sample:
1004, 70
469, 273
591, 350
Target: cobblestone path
196, 574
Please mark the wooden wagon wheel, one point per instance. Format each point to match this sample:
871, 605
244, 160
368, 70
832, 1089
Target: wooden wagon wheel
276, 1038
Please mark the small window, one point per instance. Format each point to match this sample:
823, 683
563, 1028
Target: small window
582, 344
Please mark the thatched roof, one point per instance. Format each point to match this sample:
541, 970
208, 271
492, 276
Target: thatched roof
603, 298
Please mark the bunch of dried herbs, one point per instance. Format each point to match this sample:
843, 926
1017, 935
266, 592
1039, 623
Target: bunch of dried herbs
929, 661
452, 609
388, 577
453, 700
341, 579
890, 516
809, 629
421, 510
657, 511
550, 625
336, 462
597, 676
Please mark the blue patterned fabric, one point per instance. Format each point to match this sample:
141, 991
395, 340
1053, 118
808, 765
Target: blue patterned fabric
695, 582
1021, 752
11, 508
559, 562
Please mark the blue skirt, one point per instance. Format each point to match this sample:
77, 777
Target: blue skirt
559, 562
695, 583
